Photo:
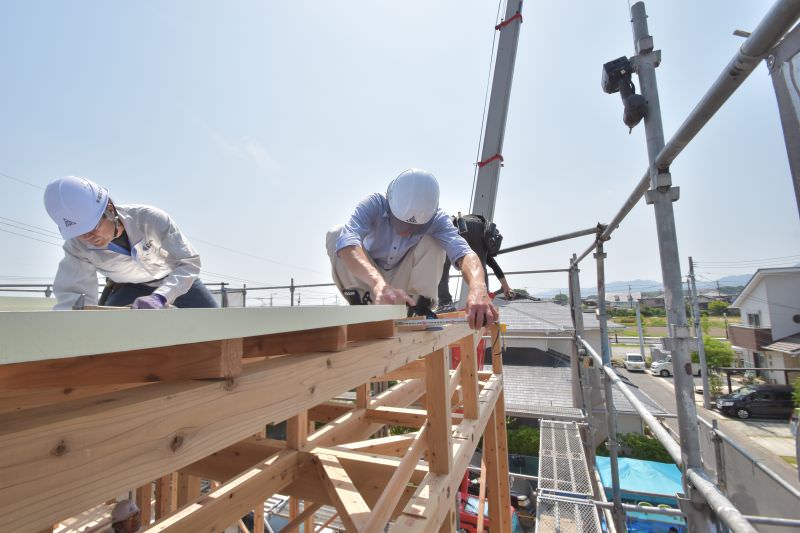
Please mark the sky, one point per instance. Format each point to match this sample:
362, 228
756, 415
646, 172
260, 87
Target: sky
259, 125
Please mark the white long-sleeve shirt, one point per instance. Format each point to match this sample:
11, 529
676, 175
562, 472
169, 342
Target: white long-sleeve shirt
160, 256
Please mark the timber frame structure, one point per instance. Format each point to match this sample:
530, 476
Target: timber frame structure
86, 415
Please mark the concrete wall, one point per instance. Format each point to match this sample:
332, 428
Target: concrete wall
783, 295
629, 423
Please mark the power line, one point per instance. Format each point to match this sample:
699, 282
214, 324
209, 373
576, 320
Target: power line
253, 256
28, 183
29, 237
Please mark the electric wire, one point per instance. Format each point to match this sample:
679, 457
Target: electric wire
28, 183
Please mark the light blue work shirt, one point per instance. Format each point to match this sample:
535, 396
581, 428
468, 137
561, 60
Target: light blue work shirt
370, 227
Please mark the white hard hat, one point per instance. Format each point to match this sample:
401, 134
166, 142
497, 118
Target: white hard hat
123, 510
75, 205
414, 196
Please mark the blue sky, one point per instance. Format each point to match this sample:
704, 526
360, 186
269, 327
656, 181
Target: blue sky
258, 125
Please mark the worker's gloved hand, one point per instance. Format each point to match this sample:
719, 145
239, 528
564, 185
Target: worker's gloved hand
154, 301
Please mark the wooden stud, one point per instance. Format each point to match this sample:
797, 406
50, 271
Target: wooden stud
144, 501
469, 376
164, 503
214, 359
234, 499
309, 509
362, 396
403, 416
297, 431
481, 496
188, 488
294, 507
396, 445
333, 339
352, 508
325, 412
384, 329
259, 524
439, 415
492, 469
502, 461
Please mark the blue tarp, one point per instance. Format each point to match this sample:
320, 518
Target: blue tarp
636, 475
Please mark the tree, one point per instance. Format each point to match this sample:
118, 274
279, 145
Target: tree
716, 308
523, 441
718, 353
561, 299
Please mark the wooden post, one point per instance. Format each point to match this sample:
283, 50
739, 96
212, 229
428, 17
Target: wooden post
188, 488
362, 396
469, 376
258, 518
449, 523
437, 379
492, 471
164, 502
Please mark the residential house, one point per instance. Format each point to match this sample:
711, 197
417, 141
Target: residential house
652, 301
769, 335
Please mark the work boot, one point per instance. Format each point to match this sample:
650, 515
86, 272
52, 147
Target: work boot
422, 309
446, 308
354, 298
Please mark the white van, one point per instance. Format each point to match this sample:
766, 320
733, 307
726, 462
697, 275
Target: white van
634, 361
663, 368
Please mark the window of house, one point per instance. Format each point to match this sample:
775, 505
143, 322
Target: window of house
754, 319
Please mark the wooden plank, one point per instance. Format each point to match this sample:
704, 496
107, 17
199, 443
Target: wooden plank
215, 359
225, 505
386, 504
490, 459
230, 461
78, 333
502, 462
438, 404
332, 339
259, 524
396, 445
481, 496
384, 329
309, 508
90, 448
353, 510
144, 501
433, 496
403, 416
469, 376
497, 349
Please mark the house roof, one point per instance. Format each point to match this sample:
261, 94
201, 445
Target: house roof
547, 317
528, 389
760, 274
789, 345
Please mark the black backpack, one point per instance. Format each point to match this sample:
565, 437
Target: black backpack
479, 234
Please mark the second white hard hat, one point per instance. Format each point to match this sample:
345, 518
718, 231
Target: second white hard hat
123, 510
413, 196
75, 204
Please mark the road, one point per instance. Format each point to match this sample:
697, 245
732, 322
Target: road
765, 440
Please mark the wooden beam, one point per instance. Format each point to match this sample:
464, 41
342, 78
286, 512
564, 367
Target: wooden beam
384, 329
230, 461
449, 523
502, 461
438, 404
396, 445
403, 416
309, 509
413, 370
93, 447
383, 509
214, 359
469, 376
333, 339
325, 412
353, 510
481, 495
21, 399
225, 505
259, 524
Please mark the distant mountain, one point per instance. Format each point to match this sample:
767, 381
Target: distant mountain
646, 285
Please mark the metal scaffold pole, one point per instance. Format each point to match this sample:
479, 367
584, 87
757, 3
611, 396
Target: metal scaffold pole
617, 512
661, 195
698, 333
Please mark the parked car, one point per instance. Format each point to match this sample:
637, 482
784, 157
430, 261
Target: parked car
634, 361
758, 401
663, 368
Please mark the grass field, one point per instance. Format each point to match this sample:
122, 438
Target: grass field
656, 326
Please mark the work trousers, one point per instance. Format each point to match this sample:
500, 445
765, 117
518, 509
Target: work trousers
197, 296
418, 273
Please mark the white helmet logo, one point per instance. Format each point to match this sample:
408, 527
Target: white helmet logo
413, 220
68, 223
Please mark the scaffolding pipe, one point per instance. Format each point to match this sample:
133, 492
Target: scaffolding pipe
772, 27
557, 238
613, 447
723, 508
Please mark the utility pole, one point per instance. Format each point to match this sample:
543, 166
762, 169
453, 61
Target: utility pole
639, 328
661, 195
698, 333
630, 299
291, 292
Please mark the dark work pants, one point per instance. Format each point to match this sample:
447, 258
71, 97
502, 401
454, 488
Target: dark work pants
198, 295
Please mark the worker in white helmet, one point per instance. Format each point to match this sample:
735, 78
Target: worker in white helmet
392, 250
126, 517
137, 247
